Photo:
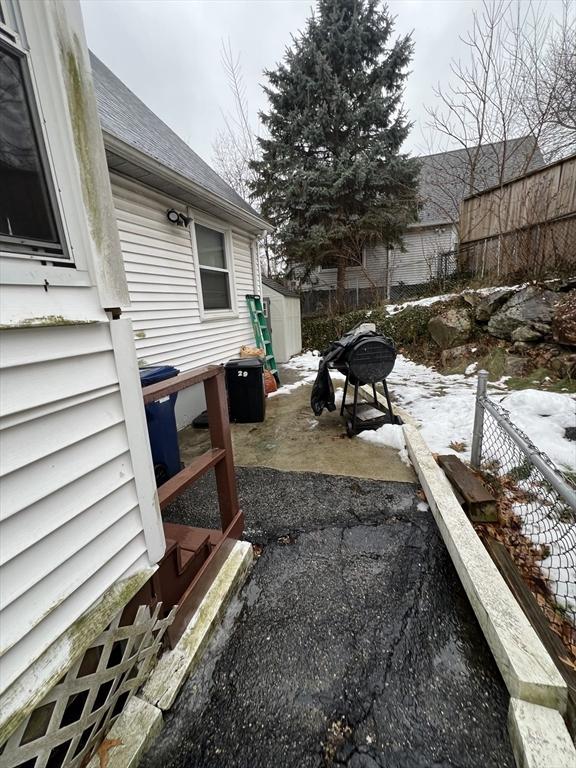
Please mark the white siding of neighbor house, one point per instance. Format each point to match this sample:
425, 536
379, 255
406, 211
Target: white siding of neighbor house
165, 309
371, 274
70, 520
285, 323
416, 264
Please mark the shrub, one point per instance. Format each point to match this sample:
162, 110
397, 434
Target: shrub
406, 327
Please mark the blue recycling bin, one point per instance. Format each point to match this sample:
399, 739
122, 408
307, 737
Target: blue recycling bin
161, 421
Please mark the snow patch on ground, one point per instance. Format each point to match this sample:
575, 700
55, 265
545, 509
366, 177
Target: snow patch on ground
544, 417
390, 435
287, 388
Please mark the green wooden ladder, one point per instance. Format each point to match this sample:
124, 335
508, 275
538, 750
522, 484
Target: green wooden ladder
262, 332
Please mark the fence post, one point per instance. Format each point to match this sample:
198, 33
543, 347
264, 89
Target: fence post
477, 433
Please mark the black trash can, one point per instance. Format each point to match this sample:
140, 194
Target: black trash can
161, 421
245, 385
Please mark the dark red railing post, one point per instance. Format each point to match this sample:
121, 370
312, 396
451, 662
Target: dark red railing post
217, 405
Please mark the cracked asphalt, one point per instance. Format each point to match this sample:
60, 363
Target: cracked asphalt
352, 643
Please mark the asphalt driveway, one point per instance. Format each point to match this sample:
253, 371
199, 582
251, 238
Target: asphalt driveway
351, 644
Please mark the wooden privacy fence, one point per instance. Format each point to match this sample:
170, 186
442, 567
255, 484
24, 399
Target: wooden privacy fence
527, 225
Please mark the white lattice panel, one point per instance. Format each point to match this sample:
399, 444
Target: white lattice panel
77, 713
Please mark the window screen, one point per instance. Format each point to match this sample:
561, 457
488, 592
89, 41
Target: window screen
27, 221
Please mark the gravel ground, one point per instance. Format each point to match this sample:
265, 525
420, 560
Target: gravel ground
352, 644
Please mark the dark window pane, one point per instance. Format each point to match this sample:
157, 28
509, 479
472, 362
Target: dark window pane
215, 291
210, 245
25, 211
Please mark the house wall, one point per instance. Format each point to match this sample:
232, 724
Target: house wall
418, 263
71, 520
78, 508
414, 265
286, 324
371, 273
164, 306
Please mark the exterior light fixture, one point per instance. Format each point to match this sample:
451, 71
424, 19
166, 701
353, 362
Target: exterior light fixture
174, 217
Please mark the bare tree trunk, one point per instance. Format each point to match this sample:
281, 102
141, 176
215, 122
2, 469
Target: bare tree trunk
341, 283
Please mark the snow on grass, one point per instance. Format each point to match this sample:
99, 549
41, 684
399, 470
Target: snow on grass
544, 417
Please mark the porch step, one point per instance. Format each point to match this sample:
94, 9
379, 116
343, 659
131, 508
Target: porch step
187, 550
192, 546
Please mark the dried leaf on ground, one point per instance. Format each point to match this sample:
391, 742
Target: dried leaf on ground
104, 748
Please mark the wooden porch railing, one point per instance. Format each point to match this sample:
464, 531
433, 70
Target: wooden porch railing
186, 584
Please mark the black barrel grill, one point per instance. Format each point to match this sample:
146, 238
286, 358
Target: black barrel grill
369, 360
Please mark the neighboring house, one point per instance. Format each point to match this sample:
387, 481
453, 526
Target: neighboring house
80, 526
283, 318
445, 180
187, 280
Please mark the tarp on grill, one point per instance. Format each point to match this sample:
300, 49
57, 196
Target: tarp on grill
336, 355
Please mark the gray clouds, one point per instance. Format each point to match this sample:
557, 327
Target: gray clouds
168, 53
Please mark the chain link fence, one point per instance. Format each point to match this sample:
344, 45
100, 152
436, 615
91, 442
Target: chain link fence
413, 276
537, 510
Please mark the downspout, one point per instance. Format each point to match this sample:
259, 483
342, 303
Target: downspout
255, 257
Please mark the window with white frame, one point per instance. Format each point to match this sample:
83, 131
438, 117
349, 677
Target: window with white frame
29, 222
214, 266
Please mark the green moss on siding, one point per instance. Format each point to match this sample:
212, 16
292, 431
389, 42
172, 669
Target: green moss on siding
76, 90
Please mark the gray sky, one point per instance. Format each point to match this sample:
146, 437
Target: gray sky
169, 53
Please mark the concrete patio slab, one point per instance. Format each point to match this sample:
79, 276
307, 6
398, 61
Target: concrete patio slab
292, 439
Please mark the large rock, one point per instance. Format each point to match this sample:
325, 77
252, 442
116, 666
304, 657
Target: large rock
450, 329
458, 354
564, 322
530, 307
526, 333
564, 365
488, 305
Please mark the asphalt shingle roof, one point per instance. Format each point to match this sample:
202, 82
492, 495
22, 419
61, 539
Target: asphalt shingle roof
278, 287
445, 177
128, 119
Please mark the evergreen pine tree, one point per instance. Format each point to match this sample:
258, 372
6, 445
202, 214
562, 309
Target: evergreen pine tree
331, 176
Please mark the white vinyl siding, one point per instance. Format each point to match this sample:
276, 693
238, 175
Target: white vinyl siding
371, 274
418, 263
70, 521
162, 279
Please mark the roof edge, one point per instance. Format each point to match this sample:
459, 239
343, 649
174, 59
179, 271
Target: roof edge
148, 163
